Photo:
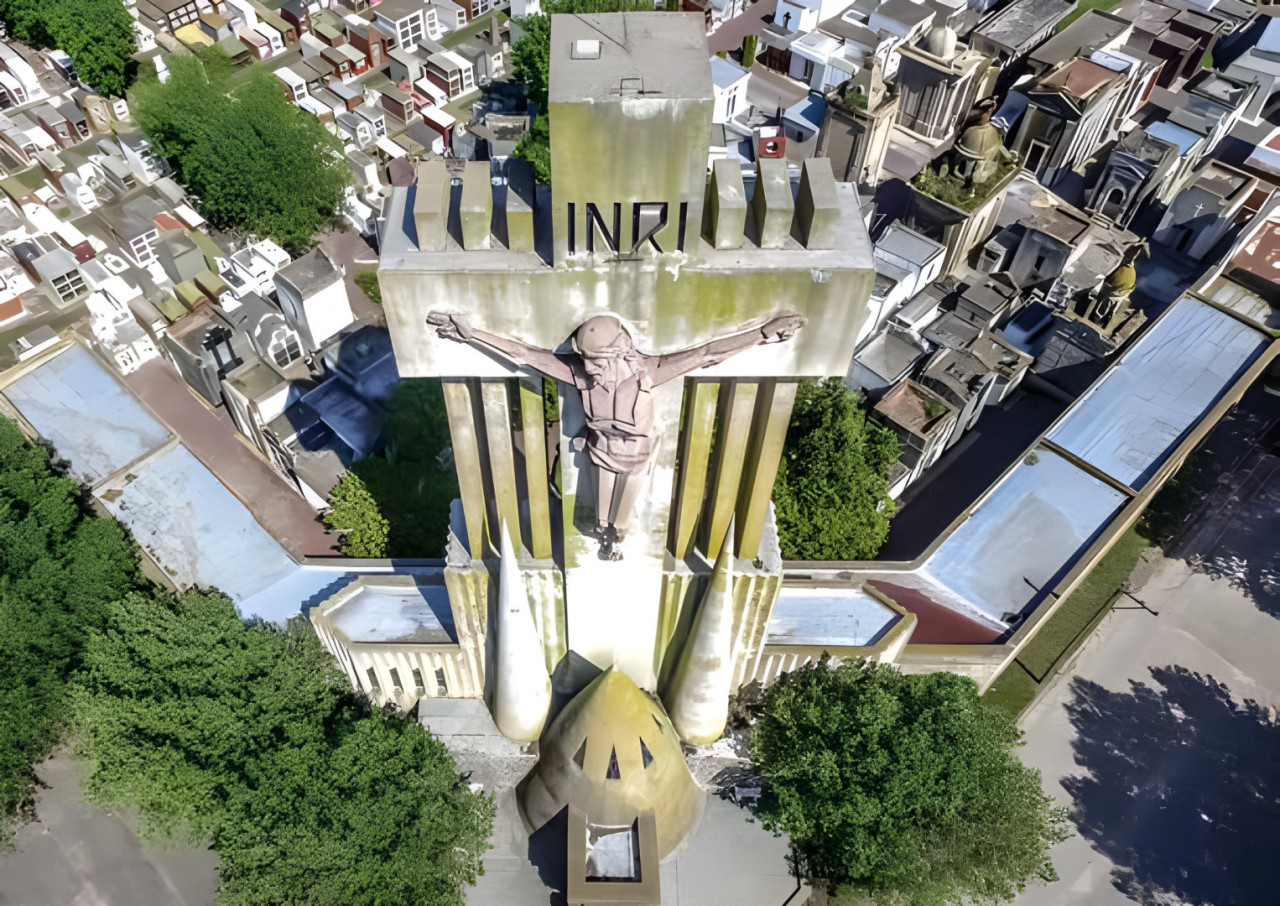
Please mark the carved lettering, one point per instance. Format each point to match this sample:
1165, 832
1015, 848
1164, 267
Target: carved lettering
648, 220
610, 234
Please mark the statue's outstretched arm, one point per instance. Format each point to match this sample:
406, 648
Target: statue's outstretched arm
455, 327
675, 364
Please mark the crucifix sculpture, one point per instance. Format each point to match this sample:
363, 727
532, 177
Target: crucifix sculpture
615, 381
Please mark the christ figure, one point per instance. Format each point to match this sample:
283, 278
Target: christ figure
615, 381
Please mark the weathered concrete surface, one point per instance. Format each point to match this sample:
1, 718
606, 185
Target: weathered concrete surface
212, 437
80, 855
1180, 798
727, 860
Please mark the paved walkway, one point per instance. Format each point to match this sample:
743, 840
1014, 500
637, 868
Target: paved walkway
212, 437
1148, 736
80, 855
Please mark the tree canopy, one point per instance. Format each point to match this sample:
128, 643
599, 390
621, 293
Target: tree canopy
256, 162
354, 512
247, 736
59, 568
409, 488
97, 34
831, 495
902, 788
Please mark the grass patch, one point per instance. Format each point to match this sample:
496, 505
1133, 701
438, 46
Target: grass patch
1093, 595
951, 189
1013, 690
1064, 632
368, 283
1084, 6
1172, 505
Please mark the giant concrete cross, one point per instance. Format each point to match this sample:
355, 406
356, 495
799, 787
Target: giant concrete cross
678, 306
615, 381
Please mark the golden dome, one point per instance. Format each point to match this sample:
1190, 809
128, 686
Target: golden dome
613, 753
1122, 280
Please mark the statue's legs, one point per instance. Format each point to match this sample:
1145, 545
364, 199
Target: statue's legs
606, 481
626, 490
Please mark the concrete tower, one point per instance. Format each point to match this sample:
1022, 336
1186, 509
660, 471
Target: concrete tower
677, 315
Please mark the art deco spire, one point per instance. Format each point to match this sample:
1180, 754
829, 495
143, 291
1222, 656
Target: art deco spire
697, 698
522, 688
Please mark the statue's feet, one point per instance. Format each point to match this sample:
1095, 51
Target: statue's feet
610, 541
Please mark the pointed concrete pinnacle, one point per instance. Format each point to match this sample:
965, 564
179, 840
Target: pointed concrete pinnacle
698, 696
522, 688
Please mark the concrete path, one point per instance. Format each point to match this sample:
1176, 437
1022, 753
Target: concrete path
80, 855
1151, 737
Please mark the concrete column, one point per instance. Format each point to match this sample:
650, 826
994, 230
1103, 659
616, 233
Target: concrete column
519, 212
504, 493
772, 204
522, 687
431, 205
533, 425
698, 696
733, 432
468, 439
475, 209
768, 435
694, 457
469, 602
818, 205
725, 218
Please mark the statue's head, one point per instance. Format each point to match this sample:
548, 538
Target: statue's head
605, 346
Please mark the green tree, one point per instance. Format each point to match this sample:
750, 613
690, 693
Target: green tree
535, 147
59, 568
247, 736
831, 496
902, 788
531, 58
256, 162
97, 34
414, 483
369, 285
355, 512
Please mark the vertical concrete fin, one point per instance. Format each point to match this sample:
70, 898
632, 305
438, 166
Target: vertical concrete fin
772, 204
522, 693
431, 205
519, 209
475, 210
725, 216
818, 205
698, 696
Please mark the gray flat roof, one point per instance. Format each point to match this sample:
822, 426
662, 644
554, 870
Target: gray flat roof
93, 422
412, 614
1130, 420
907, 243
726, 73
1092, 29
818, 616
661, 56
1023, 20
1024, 535
192, 524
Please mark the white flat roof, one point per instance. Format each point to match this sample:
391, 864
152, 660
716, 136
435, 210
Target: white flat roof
823, 616
396, 613
1130, 420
